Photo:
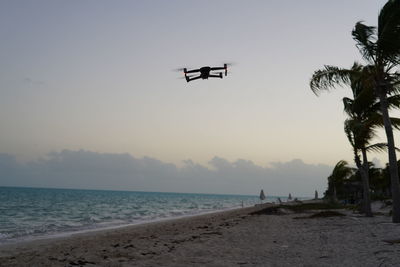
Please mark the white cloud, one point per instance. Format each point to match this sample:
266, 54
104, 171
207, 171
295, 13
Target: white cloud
377, 163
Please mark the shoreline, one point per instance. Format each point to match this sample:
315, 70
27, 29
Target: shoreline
239, 237
68, 216
60, 235
46, 240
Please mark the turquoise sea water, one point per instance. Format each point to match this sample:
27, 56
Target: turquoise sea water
28, 213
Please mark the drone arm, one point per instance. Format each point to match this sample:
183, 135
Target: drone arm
225, 67
192, 71
217, 68
216, 75
188, 79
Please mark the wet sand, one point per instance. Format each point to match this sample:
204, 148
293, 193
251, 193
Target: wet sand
229, 238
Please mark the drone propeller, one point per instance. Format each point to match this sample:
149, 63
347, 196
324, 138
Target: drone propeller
184, 70
226, 65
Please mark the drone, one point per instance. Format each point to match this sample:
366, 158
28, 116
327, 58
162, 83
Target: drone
205, 73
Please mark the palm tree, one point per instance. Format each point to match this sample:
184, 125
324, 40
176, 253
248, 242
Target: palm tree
340, 172
355, 131
380, 47
359, 127
364, 115
363, 118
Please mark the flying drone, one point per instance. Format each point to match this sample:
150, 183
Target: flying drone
205, 73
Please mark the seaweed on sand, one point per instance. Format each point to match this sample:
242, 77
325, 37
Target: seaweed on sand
312, 206
297, 208
323, 214
267, 211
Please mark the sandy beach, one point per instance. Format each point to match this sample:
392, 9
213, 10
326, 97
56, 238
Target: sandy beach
243, 237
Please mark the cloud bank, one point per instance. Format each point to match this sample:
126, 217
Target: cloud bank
90, 170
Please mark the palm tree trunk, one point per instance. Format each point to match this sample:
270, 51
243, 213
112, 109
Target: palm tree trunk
394, 173
366, 203
365, 181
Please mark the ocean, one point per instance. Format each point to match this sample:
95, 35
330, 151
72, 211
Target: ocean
32, 213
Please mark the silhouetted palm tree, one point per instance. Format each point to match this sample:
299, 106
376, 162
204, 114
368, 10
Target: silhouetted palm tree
359, 133
340, 172
364, 117
380, 47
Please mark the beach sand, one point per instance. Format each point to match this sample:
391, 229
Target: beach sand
229, 238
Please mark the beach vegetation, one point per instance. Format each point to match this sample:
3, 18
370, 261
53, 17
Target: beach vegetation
348, 189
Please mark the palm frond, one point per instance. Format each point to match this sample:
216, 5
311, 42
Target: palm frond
394, 80
362, 87
349, 133
386, 12
328, 77
388, 43
341, 171
395, 123
365, 37
394, 101
348, 105
379, 147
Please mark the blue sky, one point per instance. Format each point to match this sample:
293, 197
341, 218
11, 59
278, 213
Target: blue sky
97, 76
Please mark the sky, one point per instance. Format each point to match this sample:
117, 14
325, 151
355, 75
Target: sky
96, 78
